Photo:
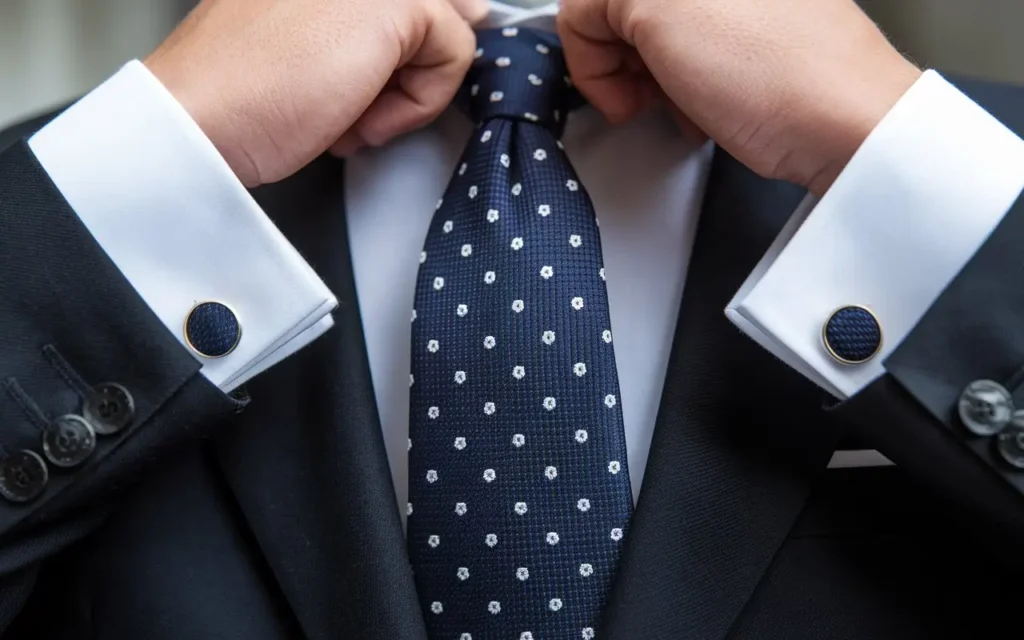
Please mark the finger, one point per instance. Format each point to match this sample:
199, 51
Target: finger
690, 131
606, 70
347, 145
472, 11
426, 83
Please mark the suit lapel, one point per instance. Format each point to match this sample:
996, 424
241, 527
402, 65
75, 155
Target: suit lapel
306, 459
738, 439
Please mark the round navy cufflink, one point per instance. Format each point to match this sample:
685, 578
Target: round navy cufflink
852, 334
212, 329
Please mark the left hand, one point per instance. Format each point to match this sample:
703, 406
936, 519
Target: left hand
791, 88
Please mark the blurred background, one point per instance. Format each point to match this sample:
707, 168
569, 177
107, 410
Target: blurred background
54, 50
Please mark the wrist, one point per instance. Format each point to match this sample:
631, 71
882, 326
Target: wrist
844, 120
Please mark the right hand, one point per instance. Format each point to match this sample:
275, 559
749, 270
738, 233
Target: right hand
275, 83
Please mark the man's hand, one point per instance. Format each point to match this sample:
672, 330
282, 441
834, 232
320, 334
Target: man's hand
790, 87
275, 83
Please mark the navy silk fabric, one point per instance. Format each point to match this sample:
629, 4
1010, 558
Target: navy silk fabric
519, 492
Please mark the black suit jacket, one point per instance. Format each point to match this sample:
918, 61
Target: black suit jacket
211, 519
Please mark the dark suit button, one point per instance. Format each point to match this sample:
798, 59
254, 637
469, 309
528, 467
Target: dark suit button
212, 330
23, 476
1010, 442
985, 407
852, 335
109, 408
68, 441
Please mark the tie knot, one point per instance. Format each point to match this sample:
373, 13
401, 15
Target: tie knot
519, 74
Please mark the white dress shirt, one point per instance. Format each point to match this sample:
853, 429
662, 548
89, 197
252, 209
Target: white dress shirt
164, 205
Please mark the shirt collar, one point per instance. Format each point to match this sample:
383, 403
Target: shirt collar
537, 14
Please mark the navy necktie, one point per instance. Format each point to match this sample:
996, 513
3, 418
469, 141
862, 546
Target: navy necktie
519, 492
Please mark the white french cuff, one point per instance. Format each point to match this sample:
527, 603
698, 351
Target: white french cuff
167, 209
917, 200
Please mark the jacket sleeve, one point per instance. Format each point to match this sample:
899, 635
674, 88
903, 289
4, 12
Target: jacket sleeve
974, 331
82, 359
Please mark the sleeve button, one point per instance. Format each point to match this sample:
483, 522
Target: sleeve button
23, 476
68, 441
985, 407
109, 409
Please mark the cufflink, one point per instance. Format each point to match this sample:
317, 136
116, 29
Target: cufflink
852, 334
212, 330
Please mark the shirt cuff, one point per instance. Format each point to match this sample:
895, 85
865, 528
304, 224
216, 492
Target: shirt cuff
167, 209
917, 200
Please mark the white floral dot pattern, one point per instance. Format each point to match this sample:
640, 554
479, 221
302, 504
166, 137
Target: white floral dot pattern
519, 464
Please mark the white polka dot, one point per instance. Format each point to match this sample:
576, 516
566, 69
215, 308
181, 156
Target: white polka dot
408, 508
496, 96
509, 32
460, 443
489, 342
433, 541
541, 48
433, 413
540, 154
606, 335
548, 337
575, 241
460, 377
579, 369
555, 604
517, 188
532, 117
534, 80
467, 250
517, 244
466, 636
432, 476
460, 508
572, 185
412, 380
551, 473
586, 569
462, 573
609, 401
490, 277
489, 475
447, 227
479, 52
503, 61
486, 135
462, 168
439, 203
614, 467
436, 607
505, 160
461, 310
518, 306
520, 508
423, 257
518, 440
544, 210
523, 574
616, 534
546, 272
558, 143
438, 283
489, 408
568, 81
581, 436
433, 346
518, 372
474, 90
526, 635
414, 315
583, 505
586, 634
492, 215
577, 303
601, 273
473, 190
409, 448
494, 607
552, 538
491, 540
549, 403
